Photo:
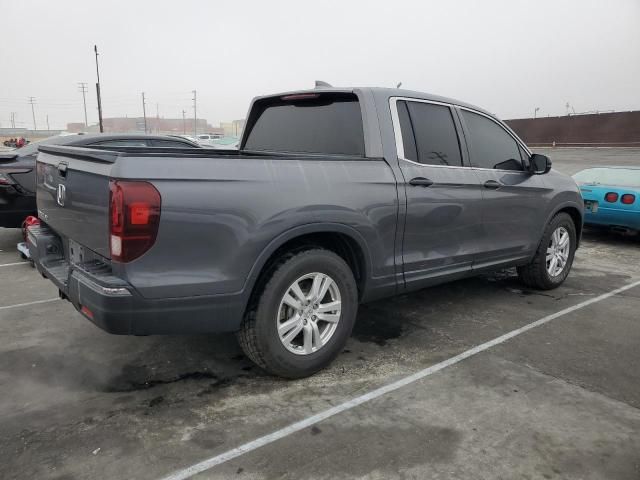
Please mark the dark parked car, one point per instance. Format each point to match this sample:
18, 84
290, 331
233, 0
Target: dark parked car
17, 176
335, 197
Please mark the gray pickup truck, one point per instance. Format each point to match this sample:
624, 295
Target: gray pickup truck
335, 197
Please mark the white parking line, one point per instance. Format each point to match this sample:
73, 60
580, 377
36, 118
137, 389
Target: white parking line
378, 392
7, 307
12, 264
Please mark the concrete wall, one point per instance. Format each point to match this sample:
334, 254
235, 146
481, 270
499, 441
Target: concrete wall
606, 129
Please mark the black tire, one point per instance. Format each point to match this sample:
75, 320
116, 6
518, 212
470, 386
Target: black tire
535, 274
258, 335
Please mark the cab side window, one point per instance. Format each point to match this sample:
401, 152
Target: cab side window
435, 141
491, 146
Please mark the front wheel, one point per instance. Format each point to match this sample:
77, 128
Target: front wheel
304, 315
554, 257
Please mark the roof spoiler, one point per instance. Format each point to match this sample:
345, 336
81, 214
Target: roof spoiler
81, 153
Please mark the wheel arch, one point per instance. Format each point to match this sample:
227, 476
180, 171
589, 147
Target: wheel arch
575, 212
342, 239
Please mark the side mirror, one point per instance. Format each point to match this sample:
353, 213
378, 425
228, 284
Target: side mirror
539, 164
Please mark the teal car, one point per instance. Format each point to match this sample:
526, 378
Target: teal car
611, 197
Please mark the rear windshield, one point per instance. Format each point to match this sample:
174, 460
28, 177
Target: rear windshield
623, 177
312, 123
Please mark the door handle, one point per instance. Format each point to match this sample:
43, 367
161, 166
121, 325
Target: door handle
492, 184
420, 182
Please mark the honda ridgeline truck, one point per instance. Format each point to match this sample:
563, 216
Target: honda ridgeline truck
335, 197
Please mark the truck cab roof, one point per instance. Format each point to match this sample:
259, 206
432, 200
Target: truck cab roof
379, 92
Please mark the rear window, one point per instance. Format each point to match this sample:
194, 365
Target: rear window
622, 177
311, 123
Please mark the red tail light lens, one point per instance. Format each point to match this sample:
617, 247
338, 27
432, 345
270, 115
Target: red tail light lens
611, 197
134, 215
628, 198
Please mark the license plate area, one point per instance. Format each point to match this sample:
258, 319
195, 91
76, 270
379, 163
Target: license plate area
591, 206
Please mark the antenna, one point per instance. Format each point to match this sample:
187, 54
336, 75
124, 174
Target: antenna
321, 84
399, 85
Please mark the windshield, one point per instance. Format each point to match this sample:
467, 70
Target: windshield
624, 177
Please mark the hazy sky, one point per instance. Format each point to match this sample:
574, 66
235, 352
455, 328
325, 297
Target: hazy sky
508, 56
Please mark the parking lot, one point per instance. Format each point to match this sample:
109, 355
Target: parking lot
559, 398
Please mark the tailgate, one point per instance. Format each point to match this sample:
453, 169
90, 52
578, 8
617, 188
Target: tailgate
72, 192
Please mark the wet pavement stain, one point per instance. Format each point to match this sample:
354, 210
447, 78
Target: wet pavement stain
215, 386
133, 378
375, 326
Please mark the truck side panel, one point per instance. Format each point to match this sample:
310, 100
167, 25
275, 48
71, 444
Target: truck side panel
215, 225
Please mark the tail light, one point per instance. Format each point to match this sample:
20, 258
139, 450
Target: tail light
134, 215
628, 199
611, 197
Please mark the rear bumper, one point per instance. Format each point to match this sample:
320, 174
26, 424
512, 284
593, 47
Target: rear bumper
613, 218
114, 305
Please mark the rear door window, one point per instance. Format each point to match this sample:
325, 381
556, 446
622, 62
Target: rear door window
436, 139
491, 146
307, 123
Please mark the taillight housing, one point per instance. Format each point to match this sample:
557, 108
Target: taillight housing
628, 198
611, 197
134, 216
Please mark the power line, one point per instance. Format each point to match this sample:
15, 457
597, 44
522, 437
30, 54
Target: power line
33, 112
144, 112
83, 89
195, 115
95, 49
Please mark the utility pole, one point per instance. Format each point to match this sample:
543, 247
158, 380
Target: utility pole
33, 112
95, 49
83, 89
13, 119
535, 112
144, 113
184, 123
195, 115
157, 118
48, 123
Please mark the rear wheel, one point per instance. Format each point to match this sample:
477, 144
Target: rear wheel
304, 315
554, 257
